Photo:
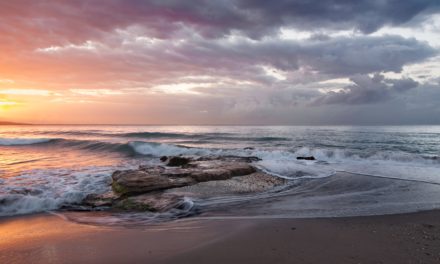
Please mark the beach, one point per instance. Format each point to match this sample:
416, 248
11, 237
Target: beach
403, 238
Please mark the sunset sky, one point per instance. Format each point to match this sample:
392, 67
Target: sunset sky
220, 62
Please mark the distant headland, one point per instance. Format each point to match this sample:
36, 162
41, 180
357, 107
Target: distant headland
7, 123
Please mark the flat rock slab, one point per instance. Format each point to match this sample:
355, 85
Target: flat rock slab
148, 179
252, 183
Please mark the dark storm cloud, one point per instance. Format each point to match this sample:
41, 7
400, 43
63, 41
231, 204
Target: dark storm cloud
366, 16
368, 90
339, 56
26, 26
75, 21
365, 54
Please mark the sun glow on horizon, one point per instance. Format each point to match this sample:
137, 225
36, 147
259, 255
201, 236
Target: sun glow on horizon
4, 105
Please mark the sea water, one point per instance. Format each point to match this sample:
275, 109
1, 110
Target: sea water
359, 170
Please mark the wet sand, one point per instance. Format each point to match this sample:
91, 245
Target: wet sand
406, 238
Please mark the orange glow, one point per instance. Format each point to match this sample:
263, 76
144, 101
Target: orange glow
6, 104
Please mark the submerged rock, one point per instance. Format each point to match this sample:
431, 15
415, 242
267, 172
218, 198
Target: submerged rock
306, 158
178, 161
157, 202
100, 200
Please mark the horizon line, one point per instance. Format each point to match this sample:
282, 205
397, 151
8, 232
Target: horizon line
140, 124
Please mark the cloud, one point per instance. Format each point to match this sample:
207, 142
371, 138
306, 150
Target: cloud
43, 23
228, 59
129, 61
367, 90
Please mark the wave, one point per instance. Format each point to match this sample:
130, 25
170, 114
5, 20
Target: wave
279, 161
157, 135
23, 141
44, 190
168, 135
162, 149
279, 154
340, 155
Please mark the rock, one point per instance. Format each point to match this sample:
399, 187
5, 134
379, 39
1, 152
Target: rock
252, 183
211, 175
250, 159
178, 161
140, 181
100, 200
157, 202
148, 179
230, 158
161, 188
154, 202
306, 158
163, 158
241, 169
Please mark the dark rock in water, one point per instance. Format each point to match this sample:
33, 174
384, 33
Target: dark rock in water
163, 158
100, 200
306, 158
247, 159
178, 161
157, 202
249, 148
230, 158
139, 181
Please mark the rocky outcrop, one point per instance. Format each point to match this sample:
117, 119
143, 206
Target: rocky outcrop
148, 179
160, 188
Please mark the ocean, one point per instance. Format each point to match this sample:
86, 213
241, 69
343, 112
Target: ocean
359, 170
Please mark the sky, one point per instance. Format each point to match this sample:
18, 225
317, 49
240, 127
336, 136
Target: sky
238, 62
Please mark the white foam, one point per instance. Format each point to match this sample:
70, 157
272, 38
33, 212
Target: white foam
162, 149
282, 162
385, 163
43, 190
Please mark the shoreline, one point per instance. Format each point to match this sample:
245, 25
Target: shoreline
399, 238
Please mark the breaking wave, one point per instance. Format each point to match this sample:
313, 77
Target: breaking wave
280, 154
22, 141
44, 190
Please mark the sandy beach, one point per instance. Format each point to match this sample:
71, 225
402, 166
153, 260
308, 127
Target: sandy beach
405, 238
